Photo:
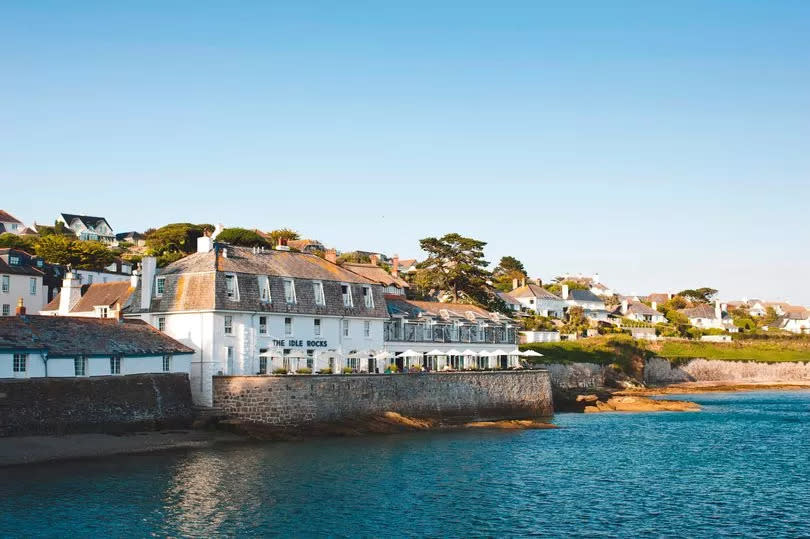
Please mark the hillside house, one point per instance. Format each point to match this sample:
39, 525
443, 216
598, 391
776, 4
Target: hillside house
89, 228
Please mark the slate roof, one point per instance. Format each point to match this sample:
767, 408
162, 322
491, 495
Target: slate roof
637, 307
659, 298
106, 294
68, 336
397, 305
583, 295
377, 274
701, 311
533, 291
197, 283
87, 220
508, 299
8, 218
304, 244
24, 268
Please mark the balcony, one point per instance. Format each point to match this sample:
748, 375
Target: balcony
446, 333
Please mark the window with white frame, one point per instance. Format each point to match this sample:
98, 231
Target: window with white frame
103, 312
231, 288
288, 327
345, 328
80, 366
20, 364
161, 323
6, 309
317, 287
32, 286
317, 327
346, 292
367, 328
262, 361
352, 362
228, 325
6, 283
115, 365
264, 288
167, 363
160, 286
14, 260
263, 325
289, 290
368, 297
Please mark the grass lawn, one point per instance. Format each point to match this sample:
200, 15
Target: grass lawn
763, 351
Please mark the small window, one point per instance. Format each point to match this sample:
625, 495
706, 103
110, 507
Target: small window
167, 363
103, 312
6, 283
6, 309
346, 292
368, 297
317, 329
228, 325
20, 364
32, 286
264, 288
289, 290
115, 365
14, 260
39, 263
160, 286
263, 325
161, 323
288, 329
367, 328
345, 328
262, 361
80, 366
310, 359
230, 286
318, 289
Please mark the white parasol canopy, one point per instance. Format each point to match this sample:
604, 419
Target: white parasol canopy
409, 353
383, 355
531, 353
514, 352
484, 353
436, 352
453, 352
468, 352
498, 352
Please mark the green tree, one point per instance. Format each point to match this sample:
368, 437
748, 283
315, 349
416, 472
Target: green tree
242, 237
354, 258
64, 250
174, 238
283, 233
537, 323
577, 322
556, 287
507, 270
456, 265
699, 295
13, 241
770, 317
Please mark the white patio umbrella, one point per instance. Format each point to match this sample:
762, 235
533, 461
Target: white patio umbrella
409, 353
484, 353
385, 354
498, 352
531, 353
453, 352
436, 352
514, 352
468, 352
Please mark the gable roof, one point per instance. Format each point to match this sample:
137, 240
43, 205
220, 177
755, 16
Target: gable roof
87, 220
413, 308
17, 269
701, 311
532, 291
636, 307
508, 298
377, 274
67, 336
658, 297
8, 218
583, 295
106, 294
303, 244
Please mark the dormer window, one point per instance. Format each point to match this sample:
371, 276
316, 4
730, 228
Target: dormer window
14, 260
160, 286
289, 291
231, 289
346, 292
264, 288
317, 288
368, 297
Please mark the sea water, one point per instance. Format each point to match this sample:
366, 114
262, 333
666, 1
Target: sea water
738, 468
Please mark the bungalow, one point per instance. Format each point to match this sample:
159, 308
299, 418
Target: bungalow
639, 312
795, 320
51, 346
535, 298
86, 227
9, 223
97, 300
591, 304
707, 317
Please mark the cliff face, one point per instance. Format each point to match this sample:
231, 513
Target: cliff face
659, 372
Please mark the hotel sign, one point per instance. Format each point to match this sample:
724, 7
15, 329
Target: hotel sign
299, 343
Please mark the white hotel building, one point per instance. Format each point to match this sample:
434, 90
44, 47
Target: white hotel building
248, 311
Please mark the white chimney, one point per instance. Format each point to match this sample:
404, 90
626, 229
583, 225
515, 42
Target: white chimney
718, 313
219, 228
624, 306
565, 291
515, 284
205, 244
133, 278
70, 294
148, 269
655, 305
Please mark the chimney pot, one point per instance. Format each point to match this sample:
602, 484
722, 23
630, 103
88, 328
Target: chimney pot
395, 266
565, 291
20, 310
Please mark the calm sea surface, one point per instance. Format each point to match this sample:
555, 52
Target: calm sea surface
739, 468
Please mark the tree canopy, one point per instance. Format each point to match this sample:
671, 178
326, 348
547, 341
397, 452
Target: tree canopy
242, 237
173, 241
699, 295
455, 265
13, 241
556, 287
283, 234
57, 249
507, 270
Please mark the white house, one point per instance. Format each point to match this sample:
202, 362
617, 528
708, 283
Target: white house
539, 336
639, 312
9, 223
440, 336
97, 300
591, 304
795, 320
86, 227
54, 346
535, 298
709, 317
250, 311
18, 279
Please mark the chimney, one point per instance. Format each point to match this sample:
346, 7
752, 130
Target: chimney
515, 284
624, 306
148, 270
395, 266
20, 310
375, 260
70, 294
523, 281
669, 295
595, 278
133, 278
718, 312
205, 244
565, 291
331, 256
219, 228
281, 245
655, 305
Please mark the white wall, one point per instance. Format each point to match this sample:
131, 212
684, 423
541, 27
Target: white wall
96, 366
19, 287
92, 277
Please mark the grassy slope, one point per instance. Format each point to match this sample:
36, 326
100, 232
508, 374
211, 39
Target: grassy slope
610, 349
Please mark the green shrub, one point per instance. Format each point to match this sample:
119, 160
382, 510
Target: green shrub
304, 370
415, 368
392, 368
347, 370
325, 370
280, 370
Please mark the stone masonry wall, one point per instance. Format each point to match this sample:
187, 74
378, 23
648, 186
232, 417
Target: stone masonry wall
457, 397
661, 371
107, 404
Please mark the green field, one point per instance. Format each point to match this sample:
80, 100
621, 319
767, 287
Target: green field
762, 351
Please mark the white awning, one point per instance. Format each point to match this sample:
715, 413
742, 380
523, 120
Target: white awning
484, 353
498, 352
272, 353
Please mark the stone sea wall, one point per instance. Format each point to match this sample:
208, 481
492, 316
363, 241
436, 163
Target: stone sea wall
104, 404
660, 371
574, 376
290, 402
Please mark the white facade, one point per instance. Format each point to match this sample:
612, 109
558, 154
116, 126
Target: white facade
540, 336
15, 286
36, 365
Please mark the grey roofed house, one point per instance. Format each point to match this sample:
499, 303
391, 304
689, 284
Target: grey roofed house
636, 307
532, 290
65, 336
87, 220
584, 295
198, 283
509, 300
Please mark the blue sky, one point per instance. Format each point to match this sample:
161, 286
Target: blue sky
664, 145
